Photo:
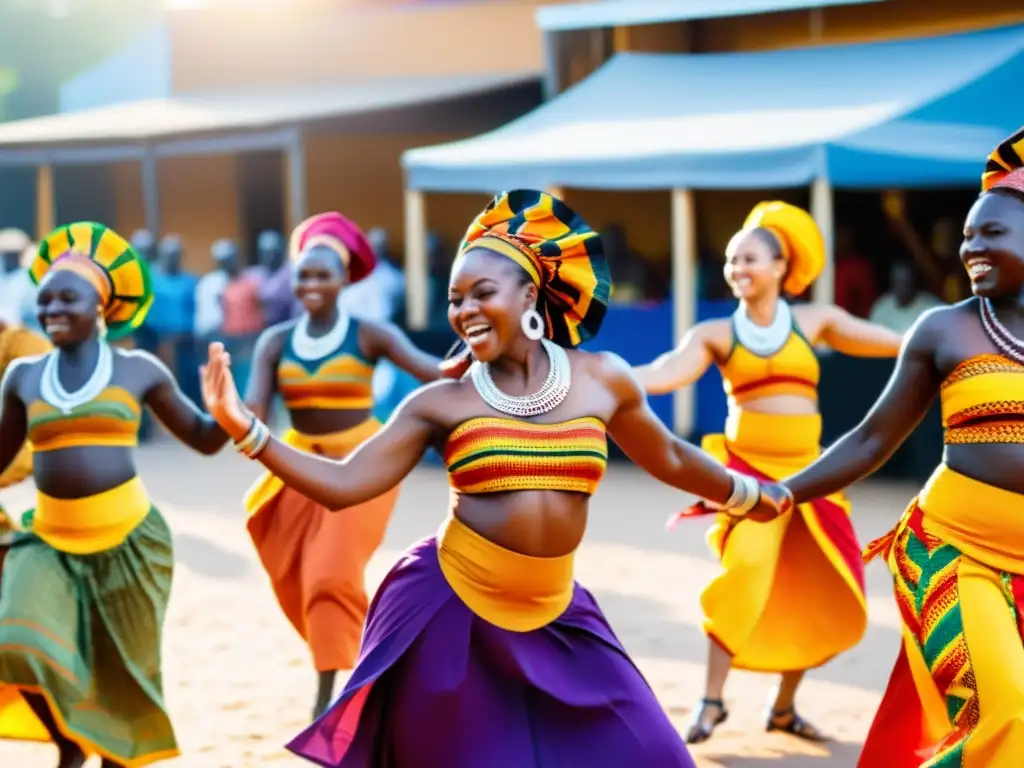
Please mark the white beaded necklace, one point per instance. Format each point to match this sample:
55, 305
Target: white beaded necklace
552, 392
999, 334
55, 394
764, 340
310, 348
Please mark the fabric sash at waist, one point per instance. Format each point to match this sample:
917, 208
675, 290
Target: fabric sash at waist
984, 522
93, 523
512, 591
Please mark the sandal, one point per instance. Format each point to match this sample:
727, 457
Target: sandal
701, 731
794, 725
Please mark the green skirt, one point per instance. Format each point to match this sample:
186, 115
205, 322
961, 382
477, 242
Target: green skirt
85, 631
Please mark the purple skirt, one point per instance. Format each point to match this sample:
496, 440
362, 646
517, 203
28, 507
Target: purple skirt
436, 686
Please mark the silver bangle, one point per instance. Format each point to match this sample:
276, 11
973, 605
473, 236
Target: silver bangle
261, 442
746, 493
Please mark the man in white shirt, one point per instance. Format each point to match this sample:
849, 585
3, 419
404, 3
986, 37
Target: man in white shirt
209, 290
903, 303
17, 293
378, 296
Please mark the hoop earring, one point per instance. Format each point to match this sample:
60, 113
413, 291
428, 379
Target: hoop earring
533, 324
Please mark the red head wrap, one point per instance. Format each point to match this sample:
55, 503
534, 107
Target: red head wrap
340, 234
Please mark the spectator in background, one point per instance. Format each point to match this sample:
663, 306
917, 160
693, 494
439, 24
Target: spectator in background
379, 296
277, 297
144, 242
856, 288
939, 259
240, 301
904, 302
627, 267
17, 293
209, 318
174, 303
145, 337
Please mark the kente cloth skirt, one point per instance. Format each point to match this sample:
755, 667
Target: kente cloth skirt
956, 695
316, 558
541, 682
84, 630
790, 594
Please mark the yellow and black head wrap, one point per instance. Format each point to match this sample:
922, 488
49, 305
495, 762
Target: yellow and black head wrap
106, 261
801, 242
1004, 168
558, 250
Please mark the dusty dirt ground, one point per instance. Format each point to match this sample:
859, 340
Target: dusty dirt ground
239, 681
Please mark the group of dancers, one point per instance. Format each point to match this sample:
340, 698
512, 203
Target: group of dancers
479, 648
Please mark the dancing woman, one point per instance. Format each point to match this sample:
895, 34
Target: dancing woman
322, 366
479, 648
956, 696
790, 595
85, 590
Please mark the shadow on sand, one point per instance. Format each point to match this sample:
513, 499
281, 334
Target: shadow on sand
206, 558
840, 755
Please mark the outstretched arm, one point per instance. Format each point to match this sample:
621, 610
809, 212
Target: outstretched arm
679, 367
180, 415
850, 335
909, 393
387, 340
13, 417
375, 467
263, 377
642, 436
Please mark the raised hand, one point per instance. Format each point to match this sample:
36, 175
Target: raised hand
220, 395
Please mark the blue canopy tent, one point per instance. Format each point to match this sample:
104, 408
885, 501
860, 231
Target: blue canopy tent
907, 113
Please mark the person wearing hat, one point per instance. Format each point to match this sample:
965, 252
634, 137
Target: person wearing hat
321, 365
85, 585
790, 595
480, 649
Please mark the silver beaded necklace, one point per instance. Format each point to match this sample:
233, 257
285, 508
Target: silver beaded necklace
310, 348
55, 394
764, 340
999, 334
552, 392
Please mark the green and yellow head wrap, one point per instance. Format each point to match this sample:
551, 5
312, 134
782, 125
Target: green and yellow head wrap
558, 250
107, 262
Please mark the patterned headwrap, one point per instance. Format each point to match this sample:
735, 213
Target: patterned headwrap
1003, 168
341, 235
802, 245
558, 250
106, 261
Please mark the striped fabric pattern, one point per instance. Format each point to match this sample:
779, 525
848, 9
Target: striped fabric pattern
993, 415
494, 455
110, 419
928, 596
105, 259
1005, 161
560, 252
339, 383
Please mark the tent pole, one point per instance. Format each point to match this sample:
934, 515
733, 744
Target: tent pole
550, 84
824, 289
295, 181
151, 192
46, 202
416, 268
684, 296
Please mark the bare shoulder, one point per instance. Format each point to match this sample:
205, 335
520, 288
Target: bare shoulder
141, 363
276, 335
607, 368
433, 402
18, 368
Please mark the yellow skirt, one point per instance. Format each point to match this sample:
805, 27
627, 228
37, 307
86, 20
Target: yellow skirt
316, 558
956, 696
790, 595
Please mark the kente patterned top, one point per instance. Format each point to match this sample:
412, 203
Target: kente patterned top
340, 381
801, 242
110, 419
107, 262
793, 370
341, 235
494, 455
1003, 166
983, 401
558, 250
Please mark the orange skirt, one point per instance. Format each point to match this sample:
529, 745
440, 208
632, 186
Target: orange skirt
316, 558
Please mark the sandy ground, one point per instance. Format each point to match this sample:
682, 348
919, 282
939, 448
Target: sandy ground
240, 684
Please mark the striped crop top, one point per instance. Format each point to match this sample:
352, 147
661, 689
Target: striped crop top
493, 455
793, 370
110, 419
983, 401
340, 381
